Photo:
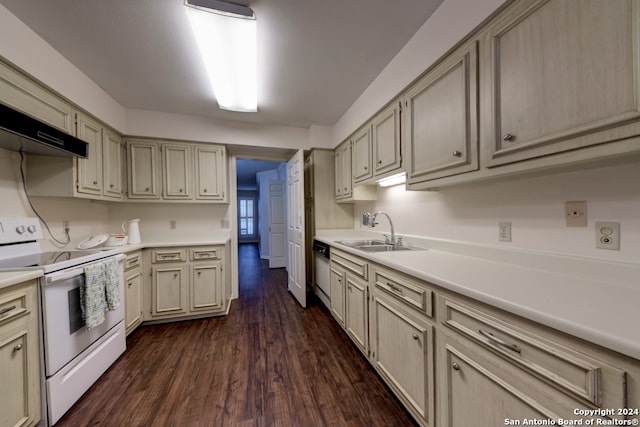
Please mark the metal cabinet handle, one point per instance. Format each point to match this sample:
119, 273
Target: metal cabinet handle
111, 185
146, 189
415, 336
17, 347
455, 366
95, 182
205, 190
507, 137
8, 309
379, 162
457, 153
199, 273
181, 190
175, 275
498, 341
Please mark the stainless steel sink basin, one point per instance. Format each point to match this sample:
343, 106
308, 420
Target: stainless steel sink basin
376, 246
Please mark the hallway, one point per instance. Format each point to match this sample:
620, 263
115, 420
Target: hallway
268, 363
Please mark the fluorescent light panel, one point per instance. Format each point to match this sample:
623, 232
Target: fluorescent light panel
227, 44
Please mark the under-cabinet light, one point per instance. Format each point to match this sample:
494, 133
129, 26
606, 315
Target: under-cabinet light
227, 43
400, 178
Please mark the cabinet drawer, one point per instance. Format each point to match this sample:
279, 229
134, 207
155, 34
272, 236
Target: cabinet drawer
552, 360
168, 255
133, 260
408, 291
196, 254
14, 305
352, 263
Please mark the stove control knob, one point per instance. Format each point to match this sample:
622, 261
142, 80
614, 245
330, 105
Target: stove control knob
20, 229
31, 229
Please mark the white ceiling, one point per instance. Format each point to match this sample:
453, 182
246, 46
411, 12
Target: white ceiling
315, 56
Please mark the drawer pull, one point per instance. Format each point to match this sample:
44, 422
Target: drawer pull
415, 336
17, 347
498, 341
455, 366
6, 310
394, 287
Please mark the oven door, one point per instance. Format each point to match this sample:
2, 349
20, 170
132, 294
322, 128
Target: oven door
65, 335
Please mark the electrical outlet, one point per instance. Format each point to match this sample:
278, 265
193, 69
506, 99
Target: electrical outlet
172, 224
575, 214
504, 231
608, 235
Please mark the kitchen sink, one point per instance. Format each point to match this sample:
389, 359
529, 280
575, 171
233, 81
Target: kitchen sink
376, 246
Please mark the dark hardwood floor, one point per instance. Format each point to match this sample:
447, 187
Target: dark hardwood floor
268, 363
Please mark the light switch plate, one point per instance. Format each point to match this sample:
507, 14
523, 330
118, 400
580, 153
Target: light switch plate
575, 214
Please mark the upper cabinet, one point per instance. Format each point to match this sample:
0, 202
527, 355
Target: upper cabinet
211, 172
385, 141
361, 160
101, 174
441, 119
560, 76
170, 166
25, 95
343, 170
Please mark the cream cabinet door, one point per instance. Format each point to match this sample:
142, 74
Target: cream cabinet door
206, 286
177, 171
361, 160
385, 135
133, 300
402, 351
143, 160
112, 164
343, 171
337, 283
211, 173
357, 312
169, 289
440, 119
90, 169
558, 75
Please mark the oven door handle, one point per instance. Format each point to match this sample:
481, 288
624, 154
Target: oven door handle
68, 274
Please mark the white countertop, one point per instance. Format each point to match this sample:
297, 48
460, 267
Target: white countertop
591, 299
14, 277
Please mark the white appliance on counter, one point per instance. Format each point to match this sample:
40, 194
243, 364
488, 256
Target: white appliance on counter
72, 357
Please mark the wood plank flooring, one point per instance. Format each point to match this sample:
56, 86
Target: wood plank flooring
268, 363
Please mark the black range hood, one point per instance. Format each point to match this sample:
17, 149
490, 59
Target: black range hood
20, 132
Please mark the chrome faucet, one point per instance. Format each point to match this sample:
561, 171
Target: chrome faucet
370, 220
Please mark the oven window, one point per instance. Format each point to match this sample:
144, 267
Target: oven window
75, 312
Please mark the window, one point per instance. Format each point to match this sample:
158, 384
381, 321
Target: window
247, 216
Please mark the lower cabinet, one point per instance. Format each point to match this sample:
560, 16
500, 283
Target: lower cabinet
133, 291
19, 355
456, 362
186, 282
403, 354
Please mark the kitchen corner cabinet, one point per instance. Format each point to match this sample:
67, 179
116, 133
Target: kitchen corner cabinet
440, 119
19, 355
190, 173
386, 141
133, 290
560, 76
186, 282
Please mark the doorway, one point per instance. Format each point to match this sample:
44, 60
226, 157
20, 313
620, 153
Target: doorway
247, 216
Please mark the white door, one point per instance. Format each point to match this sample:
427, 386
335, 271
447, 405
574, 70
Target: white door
277, 225
295, 225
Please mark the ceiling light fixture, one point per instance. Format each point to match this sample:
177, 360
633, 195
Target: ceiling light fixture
226, 37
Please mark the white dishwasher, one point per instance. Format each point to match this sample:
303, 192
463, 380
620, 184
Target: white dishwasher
321, 253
